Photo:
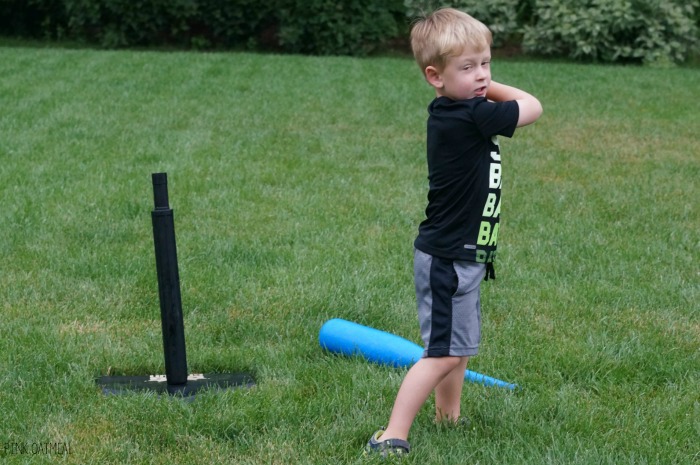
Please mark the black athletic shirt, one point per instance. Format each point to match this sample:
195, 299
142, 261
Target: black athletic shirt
464, 173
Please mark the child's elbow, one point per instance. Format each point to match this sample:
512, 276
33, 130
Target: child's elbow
530, 111
537, 110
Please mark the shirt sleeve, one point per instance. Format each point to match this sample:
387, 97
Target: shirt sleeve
497, 118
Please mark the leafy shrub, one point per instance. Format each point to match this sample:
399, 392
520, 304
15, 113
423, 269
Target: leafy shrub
648, 31
232, 23
503, 17
332, 27
32, 18
198, 23
339, 27
122, 23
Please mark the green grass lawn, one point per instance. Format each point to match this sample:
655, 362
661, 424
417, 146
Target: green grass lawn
298, 184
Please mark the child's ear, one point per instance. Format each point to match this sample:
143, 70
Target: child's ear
434, 78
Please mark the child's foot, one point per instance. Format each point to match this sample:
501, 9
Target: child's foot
387, 447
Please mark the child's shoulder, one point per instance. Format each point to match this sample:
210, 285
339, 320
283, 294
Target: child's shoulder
474, 108
489, 117
446, 106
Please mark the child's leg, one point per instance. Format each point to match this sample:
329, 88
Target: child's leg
448, 393
419, 382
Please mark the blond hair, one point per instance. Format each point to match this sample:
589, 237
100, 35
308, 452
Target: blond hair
446, 33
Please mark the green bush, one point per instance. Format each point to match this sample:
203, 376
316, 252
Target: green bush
332, 27
197, 23
503, 17
124, 23
326, 27
32, 18
648, 31
233, 23
645, 31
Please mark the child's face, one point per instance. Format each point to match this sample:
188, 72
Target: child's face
465, 76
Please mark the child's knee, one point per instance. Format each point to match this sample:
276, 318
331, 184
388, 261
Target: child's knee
450, 363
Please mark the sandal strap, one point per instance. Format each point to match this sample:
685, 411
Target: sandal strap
397, 444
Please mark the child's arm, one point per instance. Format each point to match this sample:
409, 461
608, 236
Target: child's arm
530, 107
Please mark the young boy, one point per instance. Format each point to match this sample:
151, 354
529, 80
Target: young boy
456, 243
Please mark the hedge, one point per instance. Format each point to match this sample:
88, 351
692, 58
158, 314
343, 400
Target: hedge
646, 31
345, 27
643, 31
650, 31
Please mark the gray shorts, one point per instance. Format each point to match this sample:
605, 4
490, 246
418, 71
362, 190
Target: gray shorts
449, 309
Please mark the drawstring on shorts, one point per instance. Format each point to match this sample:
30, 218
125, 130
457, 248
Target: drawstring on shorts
490, 272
